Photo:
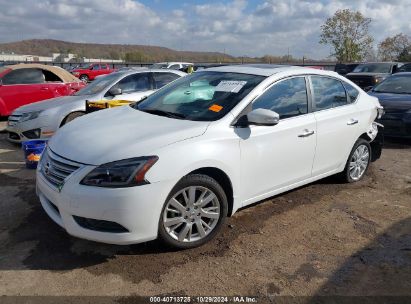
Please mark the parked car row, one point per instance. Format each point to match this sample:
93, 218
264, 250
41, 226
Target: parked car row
190, 151
187, 151
41, 120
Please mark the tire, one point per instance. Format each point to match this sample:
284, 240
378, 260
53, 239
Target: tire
357, 163
71, 117
84, 78
184, 231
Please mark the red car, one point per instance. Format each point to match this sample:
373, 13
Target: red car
22, 84
90, 72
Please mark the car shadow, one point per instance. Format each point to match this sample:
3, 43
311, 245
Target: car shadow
382, 268
49, 247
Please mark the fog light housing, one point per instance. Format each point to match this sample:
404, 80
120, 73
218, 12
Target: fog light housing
32, 134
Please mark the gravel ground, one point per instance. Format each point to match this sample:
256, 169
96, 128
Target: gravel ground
326, 238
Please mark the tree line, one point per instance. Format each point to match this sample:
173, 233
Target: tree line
347, 32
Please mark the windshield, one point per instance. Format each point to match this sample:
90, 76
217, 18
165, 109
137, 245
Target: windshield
395, 84
98, 85
204, 96
373, 68
159, 66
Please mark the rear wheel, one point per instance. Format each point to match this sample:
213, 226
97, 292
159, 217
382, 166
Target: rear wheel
84, 78
358, 162
71, 117
193, 212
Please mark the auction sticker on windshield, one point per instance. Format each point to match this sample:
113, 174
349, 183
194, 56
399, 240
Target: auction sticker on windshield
215, 108
232, 86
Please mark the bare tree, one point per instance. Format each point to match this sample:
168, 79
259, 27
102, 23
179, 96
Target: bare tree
348, 33
391, 48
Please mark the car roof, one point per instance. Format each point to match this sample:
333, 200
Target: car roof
144, 69
60, 72
266, 69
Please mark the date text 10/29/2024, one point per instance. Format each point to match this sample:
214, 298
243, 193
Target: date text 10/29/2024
203, 299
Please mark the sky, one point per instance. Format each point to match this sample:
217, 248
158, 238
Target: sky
237, 27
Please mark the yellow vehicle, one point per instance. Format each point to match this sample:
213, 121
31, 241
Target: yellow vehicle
92, 106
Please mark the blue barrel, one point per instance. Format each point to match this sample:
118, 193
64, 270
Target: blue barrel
32, 151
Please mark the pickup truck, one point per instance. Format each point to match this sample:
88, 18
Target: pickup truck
90, 72
367, 75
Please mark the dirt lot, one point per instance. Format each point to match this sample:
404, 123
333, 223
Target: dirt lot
326, 238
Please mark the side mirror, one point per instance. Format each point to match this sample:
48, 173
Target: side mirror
259, 117
115, 91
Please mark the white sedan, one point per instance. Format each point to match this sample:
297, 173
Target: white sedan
175, 165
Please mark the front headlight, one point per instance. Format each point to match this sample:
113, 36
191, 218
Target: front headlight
124, 173
29, 116
379, 79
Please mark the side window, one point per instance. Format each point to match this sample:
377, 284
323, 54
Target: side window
161, 79
96, 67
351, 92
51, 77
288, 98
174, 67
23, 76
134, 83
328, 93
104, 66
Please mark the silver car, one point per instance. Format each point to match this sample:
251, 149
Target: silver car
42, 119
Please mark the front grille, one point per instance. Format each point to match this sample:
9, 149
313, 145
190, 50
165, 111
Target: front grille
56, 169
13, 119
362, 81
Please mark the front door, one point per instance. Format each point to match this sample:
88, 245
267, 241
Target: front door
275, 157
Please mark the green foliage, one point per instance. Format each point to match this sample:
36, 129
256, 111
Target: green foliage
348, 33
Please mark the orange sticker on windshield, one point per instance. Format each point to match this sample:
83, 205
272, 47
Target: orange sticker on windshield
215, 108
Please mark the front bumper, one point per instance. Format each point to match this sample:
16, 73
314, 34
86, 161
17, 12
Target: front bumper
137, 209
17, 130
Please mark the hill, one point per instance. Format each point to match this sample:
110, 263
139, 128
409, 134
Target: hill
136, 53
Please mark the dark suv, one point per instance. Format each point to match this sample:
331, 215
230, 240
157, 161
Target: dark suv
367, 75
345, 68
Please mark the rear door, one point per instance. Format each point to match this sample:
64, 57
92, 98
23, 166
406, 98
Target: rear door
337, 123
24, 86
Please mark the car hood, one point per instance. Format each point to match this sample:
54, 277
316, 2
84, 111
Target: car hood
393, 101
120, 133
52, 103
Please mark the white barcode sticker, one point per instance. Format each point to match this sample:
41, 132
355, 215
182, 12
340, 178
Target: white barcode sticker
232, 86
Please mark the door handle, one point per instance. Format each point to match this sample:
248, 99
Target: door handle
44, 89
352, 121
306, 133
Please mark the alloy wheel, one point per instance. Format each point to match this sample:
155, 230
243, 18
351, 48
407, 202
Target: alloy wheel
359, 162
191, 214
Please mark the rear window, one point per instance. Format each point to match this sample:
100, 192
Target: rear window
352, 93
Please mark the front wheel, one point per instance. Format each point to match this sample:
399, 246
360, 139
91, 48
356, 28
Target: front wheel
358, 162
84, 78
193, 212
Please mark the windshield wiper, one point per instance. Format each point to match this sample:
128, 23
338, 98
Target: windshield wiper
164, 113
